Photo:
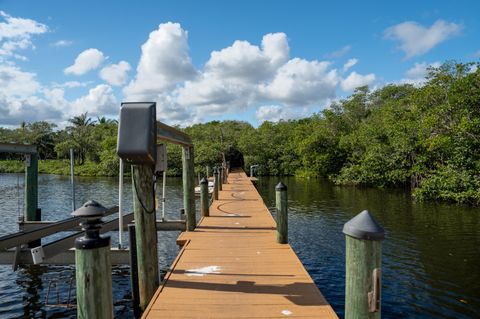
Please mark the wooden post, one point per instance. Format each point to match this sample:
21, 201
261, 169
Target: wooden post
225, 174
31, 186
32, 213
208, 171
93, 266
137, 313
145, 232
72, 177
204, 209
93, 271
216, 181
363, 267
282, 213
220, 178
189, 186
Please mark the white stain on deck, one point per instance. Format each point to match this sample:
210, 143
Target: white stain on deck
200, 272
286, 312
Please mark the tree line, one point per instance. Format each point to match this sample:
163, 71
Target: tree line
425, 138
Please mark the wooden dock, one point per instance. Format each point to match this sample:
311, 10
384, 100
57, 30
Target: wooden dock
232, 267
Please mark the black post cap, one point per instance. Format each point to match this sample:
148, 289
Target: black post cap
90, 209
281, 187
364, 226
92, 212
204, 181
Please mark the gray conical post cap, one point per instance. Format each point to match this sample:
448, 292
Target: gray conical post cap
204, 181
364, 226
281, 187
90, 209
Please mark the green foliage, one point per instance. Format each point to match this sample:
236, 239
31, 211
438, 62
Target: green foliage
422, 137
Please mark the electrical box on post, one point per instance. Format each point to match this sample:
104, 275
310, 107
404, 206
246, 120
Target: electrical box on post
137, 132
161, 164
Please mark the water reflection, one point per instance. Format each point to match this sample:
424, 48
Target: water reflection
430, 257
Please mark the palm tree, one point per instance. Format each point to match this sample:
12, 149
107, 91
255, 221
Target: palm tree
82, 120
104, 120
80, 134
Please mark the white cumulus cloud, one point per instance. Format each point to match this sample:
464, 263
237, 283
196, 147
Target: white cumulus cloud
116, 74
13, 28
355, 80
249, 62
164, 63
416, 39
88, 60
16, 34
15, 83
301, 82
231, 75
100, 100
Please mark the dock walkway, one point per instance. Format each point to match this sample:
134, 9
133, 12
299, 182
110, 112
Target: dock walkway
232, 267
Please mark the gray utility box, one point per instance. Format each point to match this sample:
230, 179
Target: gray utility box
137, 133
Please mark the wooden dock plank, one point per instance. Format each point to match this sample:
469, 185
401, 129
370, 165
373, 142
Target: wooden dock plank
232, 267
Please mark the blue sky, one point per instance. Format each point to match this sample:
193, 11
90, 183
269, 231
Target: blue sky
208, 60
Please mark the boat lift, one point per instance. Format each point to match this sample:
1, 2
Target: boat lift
17, 249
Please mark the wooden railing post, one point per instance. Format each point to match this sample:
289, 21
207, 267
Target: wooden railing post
282, 213
204, 207
188, 176
363, 267
216, 182
93, 266
145, 232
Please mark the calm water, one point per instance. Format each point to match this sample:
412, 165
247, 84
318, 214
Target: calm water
431, 255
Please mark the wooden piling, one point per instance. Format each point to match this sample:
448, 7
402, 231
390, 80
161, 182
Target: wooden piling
145, 232
32, 213
282, 213
93, 271
189, 186
93, 265
363, 267
31, 186
137, 313
204, 207
216, 181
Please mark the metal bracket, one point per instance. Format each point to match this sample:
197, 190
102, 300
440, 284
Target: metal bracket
16, 257
374, 295
38, 256
28, 160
